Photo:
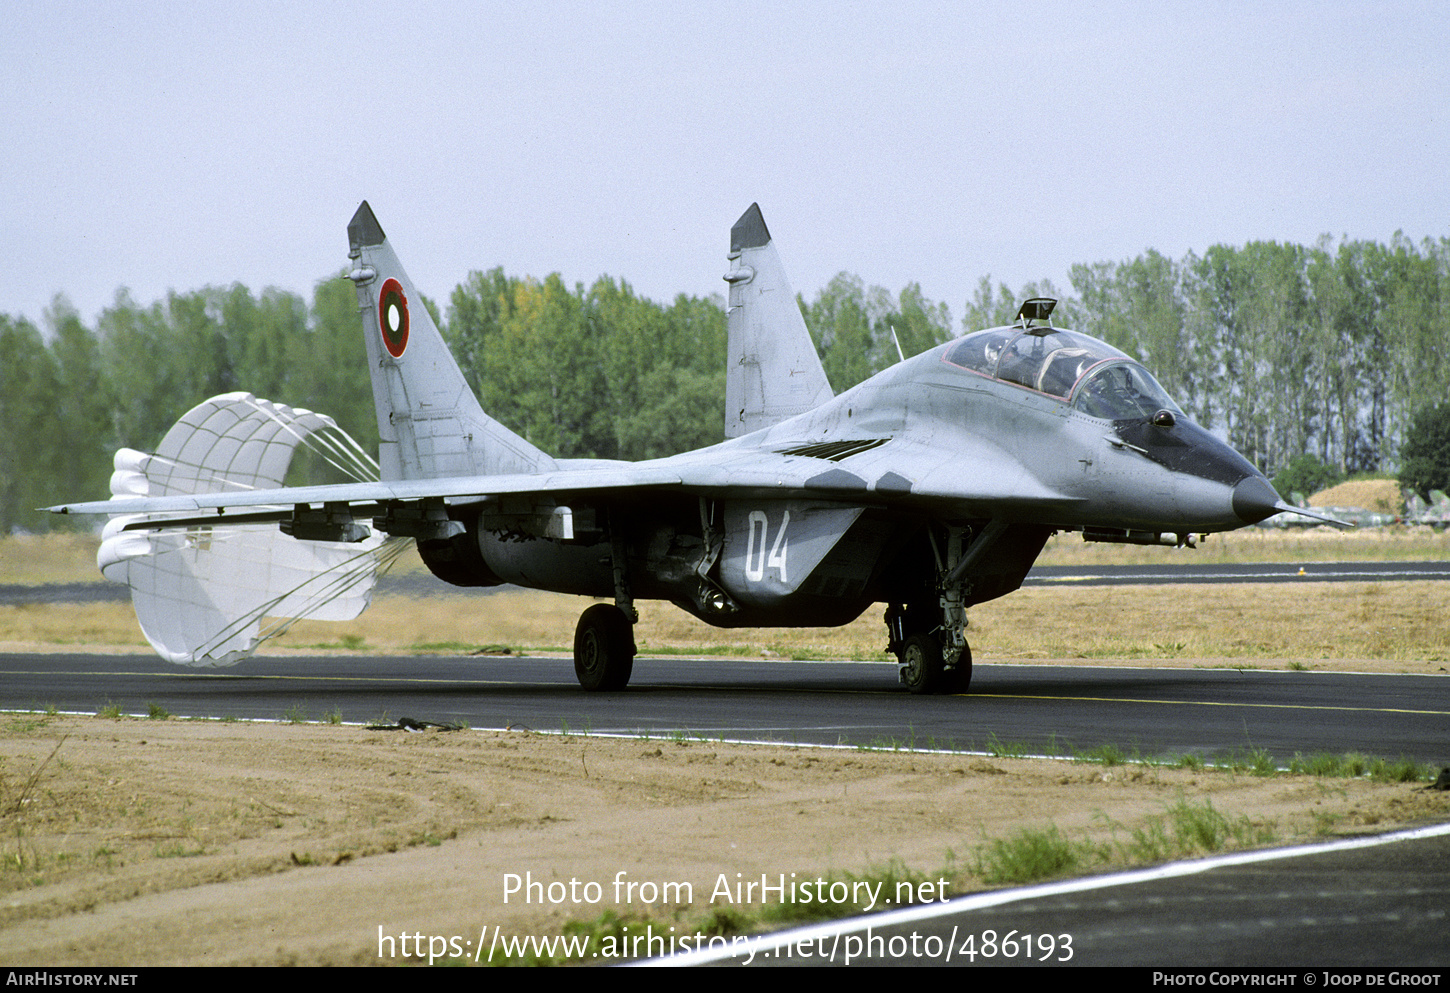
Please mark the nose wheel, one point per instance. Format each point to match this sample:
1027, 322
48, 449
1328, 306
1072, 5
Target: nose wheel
924, 669
921, 663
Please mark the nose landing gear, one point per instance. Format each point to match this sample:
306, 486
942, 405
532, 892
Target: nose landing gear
929, 638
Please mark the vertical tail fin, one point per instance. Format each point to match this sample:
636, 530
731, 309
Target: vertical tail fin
430, 423
773, 370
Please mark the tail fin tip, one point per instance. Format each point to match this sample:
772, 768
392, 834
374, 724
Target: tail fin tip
750, 231
364, 228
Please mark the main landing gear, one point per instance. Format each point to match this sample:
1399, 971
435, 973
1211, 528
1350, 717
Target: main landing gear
604, 648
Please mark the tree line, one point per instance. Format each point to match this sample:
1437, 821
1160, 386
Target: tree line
1326, 351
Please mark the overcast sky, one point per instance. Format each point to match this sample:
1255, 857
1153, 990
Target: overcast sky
162, 146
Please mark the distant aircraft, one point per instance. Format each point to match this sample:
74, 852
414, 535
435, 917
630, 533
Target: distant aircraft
1436, 513
930, 487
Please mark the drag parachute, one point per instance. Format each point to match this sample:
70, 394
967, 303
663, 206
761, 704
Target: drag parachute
201, 593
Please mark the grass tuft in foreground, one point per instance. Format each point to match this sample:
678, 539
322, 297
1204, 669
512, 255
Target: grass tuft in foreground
1353, 765
1184, 830
1030, 855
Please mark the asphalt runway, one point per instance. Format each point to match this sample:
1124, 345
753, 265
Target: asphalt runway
1043, 709
1038, 709
1381, 906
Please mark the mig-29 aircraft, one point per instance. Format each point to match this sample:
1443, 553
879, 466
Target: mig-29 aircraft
930, 487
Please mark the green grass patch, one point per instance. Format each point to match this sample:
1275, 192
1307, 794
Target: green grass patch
178, 850
1353, 765
1187, 829
1108, 755
1254, 761
1029, 855
999, 749
458, 648
26, 724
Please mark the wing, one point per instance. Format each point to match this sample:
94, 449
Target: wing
891, 472
280, 502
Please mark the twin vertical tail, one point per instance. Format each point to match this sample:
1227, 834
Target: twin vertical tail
773, 371
429, 421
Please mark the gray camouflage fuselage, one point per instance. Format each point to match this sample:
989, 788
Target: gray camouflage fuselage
930, 487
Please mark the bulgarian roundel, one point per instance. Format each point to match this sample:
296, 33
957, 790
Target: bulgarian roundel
393, 318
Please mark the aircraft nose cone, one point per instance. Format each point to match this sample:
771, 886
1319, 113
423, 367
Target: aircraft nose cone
1254, 499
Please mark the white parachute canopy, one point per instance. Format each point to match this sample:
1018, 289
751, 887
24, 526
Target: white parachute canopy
201, 593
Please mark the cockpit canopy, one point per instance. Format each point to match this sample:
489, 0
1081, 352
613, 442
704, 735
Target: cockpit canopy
1093, 376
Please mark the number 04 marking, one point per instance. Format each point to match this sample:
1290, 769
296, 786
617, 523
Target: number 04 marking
756, 562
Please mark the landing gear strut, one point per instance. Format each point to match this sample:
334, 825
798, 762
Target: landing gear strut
928, 635
604, 648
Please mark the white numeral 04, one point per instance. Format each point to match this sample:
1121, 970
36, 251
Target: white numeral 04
756, 562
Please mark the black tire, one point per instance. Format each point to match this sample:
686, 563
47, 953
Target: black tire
603, 648
958, 679
921, 663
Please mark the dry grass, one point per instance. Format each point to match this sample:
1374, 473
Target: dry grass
1395, 621
51, 558
1317, 544
1400, 622
1263, 625
1382, 495
203, 842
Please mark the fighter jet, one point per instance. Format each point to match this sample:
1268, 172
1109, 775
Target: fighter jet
929, 488
1435, 513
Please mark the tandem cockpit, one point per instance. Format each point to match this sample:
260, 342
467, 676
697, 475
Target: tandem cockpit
1094, 377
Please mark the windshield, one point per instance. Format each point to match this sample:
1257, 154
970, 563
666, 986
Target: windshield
1121, 391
